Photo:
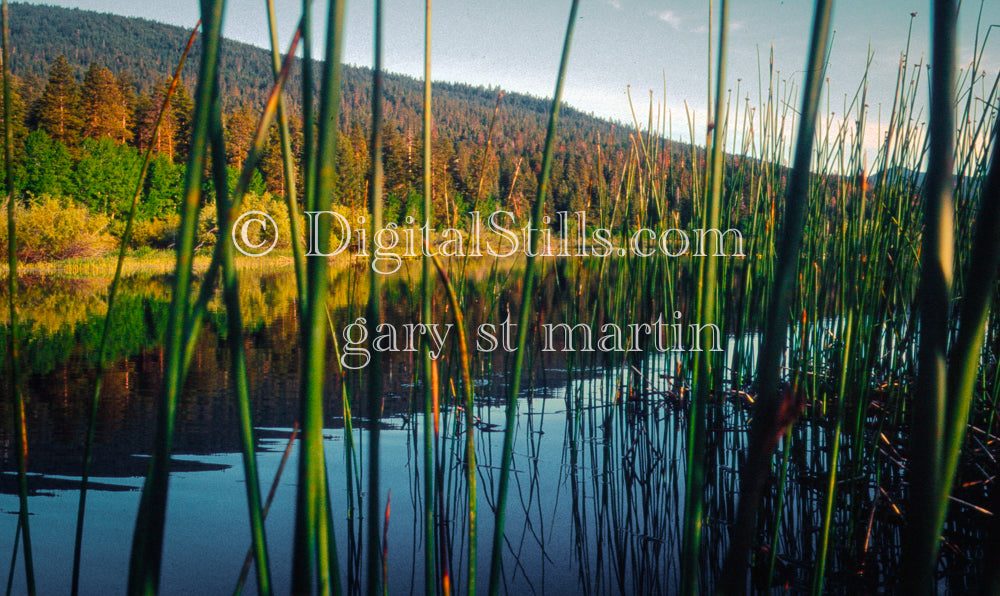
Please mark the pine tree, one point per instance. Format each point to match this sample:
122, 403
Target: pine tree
20, 131
240, 129
272, 164
126, 84
105, 113
58, 110
182, 108
46, 167
147, 110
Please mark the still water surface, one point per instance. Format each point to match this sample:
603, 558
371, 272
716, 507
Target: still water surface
597, 487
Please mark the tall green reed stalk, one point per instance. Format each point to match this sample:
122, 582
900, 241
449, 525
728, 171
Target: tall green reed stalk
14, 378
176, 373
208, 283
831, 486
941, 413
248, 561
314, 547
468, 391
288, 160
228, 203
106, 327
147, 541
928, 411
768, 423
426, 294
183, 330
981, 276
375, 370
234, 339
524, 316
702, 381
13, 556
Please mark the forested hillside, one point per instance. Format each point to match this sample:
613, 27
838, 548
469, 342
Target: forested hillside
83, 77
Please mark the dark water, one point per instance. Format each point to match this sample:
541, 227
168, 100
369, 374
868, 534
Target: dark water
597, 488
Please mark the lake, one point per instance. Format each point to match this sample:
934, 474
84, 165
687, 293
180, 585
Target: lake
597, 483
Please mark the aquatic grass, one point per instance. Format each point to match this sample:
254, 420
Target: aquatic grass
524, 316
851, 356
947, 406
287, 157
13, 556
313, 543
831, 487
210, 277
13, 341
249, 559
769, 422
703, 380
980, 278
377, 552
147, 542
426, 292
470, 445
928, 486
234, 340
106, 328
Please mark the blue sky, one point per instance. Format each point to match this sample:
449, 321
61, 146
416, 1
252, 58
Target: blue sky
515, 44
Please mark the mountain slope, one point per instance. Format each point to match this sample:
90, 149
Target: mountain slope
148, 52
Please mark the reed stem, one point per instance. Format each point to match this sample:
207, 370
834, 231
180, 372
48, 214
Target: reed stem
524, 317
147, 541
13, 364
928, 485
767, 426
375, 371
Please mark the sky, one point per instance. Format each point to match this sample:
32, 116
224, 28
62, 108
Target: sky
618, 45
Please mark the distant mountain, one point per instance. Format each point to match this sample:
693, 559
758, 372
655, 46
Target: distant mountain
148, 52
899, 174
146, 49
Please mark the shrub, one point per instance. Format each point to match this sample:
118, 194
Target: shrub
155, 233
274, 207
52, 229
161, 232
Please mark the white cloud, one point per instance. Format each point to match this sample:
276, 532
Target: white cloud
670, 17
733, 28
615, 4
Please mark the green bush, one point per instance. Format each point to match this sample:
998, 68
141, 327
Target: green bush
155, 233
274, 207
161, 232
52, 229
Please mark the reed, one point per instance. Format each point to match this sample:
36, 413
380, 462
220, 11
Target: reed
703, 379
287, 157
234, 336
313, 543
376, 548
524, 316
249, 559
927, 484
426, 313
470, 444
106, 328
767, 424
13, 342
837, 259
147, 542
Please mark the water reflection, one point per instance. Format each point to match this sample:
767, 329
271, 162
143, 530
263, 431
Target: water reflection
598, 479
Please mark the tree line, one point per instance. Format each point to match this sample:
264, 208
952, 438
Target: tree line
80, 129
